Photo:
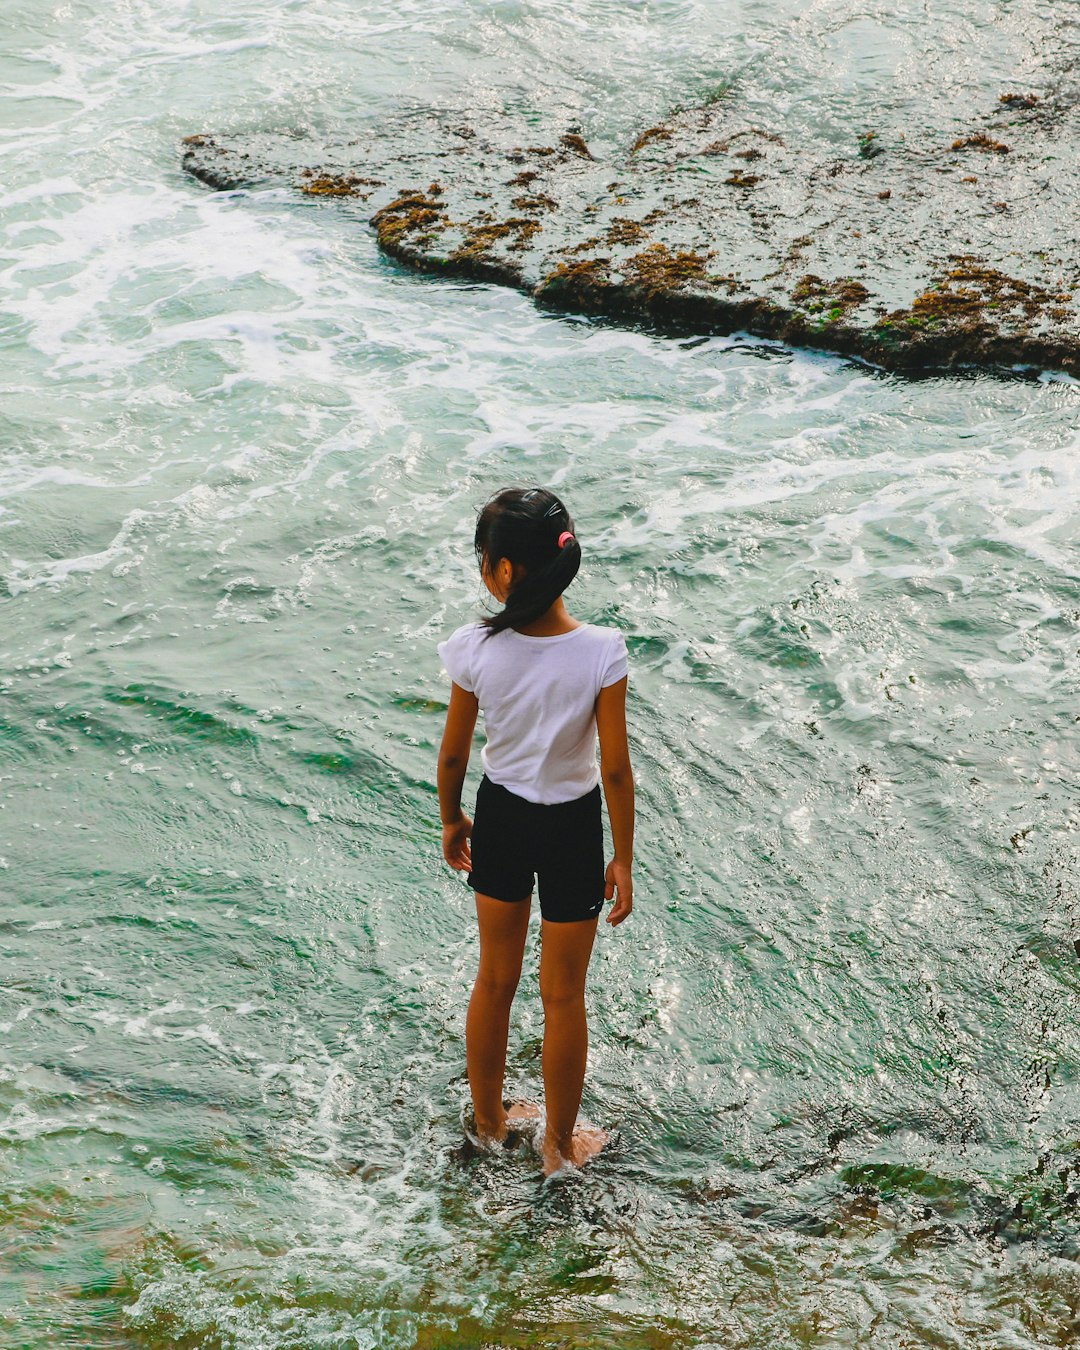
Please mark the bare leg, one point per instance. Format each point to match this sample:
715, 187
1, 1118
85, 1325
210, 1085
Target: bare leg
503, 928
564, 959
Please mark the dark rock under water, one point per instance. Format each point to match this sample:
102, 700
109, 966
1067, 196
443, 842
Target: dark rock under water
924, 244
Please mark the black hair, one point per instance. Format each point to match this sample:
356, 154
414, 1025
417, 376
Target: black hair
524, 525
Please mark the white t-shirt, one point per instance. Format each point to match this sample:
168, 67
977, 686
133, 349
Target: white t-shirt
538, 697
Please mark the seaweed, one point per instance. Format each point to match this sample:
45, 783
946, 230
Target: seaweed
722, 147
656, 269
625, 231
412, 211
576, 143
971, 306
835, 298
540, 201
664, 265
480, 239
590, 271
336, 185
979, 140
657, 133
1018, 100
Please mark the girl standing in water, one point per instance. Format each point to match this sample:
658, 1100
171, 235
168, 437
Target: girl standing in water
548, 686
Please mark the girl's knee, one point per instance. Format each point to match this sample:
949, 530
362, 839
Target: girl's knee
558, 996
497, 986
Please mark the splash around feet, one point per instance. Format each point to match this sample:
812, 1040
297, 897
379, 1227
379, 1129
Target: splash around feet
525, 1119
585, 1143
521, 1118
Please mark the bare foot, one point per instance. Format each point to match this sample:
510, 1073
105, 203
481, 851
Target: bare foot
522, 1118
585, 1143
516, 1115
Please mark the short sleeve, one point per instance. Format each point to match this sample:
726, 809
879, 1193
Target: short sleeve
456, 656
615, 666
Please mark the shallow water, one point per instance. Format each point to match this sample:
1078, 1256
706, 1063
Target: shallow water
836, 1042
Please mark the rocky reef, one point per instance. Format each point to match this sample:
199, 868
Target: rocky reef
917, 249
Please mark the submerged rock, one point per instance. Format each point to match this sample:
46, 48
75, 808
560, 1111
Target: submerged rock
916, 250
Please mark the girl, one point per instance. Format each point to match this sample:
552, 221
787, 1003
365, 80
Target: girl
547, 685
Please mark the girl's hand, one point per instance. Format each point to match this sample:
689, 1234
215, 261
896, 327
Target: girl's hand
617, 879
455, 844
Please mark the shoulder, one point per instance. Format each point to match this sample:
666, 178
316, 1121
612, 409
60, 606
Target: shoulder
606, 639
466, 640
610, 647
467, 632
459, 654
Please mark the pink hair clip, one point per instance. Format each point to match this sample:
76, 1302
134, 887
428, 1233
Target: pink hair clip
565, 538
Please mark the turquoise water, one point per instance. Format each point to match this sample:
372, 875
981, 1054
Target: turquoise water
836, 1042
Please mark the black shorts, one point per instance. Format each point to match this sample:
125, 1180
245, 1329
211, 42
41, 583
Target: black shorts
562, 843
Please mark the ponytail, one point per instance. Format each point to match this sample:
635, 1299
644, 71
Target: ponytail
531, 528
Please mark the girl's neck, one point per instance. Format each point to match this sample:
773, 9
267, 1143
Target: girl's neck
550, 624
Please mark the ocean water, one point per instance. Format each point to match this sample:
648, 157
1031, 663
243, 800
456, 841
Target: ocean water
836, 1043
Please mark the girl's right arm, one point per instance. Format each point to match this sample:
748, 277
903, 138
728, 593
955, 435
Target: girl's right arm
453, 761
618, 779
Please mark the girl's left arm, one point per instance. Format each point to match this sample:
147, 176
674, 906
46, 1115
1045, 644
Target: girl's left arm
618, 777
453, 761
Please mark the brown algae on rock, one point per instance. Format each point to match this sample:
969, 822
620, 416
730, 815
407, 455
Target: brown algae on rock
581, 282
625, 231
413, 211
480, 239
963, 295
336, 185
979, 140
660, 133
895, 255
833, 298
656, 269
576, 143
